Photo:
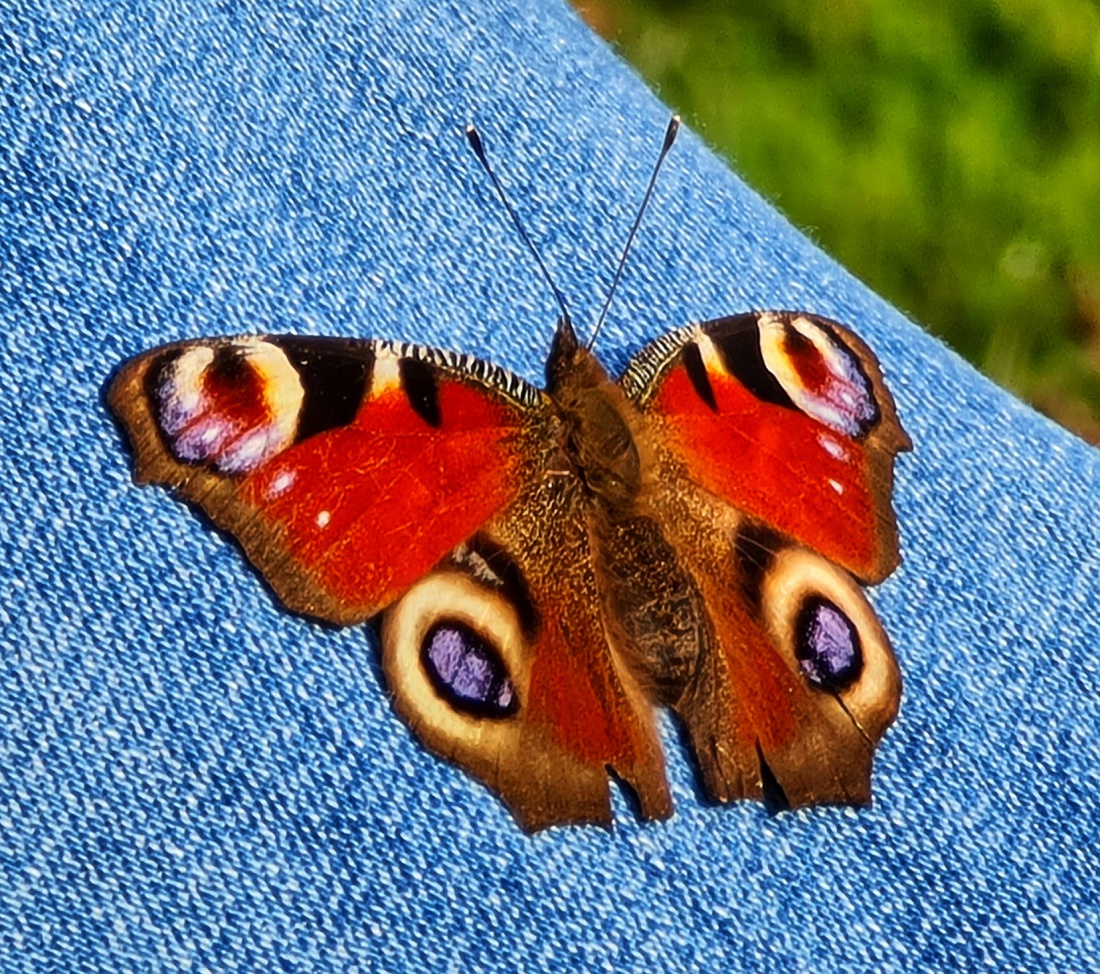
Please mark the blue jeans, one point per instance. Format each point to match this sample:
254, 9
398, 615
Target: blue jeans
192, 778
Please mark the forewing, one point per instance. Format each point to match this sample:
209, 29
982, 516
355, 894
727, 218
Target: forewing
786, 417
345, 469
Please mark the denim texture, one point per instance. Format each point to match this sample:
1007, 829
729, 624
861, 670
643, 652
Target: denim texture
193, 779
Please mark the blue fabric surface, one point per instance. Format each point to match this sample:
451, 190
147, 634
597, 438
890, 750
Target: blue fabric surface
193, 779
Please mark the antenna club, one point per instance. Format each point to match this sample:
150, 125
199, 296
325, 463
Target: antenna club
474, 138
671, 132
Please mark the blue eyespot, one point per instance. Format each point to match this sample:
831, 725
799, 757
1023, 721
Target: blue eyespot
827, 645
468, 672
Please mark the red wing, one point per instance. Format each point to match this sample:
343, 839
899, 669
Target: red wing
345, 469
785, 416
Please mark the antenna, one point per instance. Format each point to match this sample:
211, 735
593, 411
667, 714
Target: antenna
474, 139
670, 137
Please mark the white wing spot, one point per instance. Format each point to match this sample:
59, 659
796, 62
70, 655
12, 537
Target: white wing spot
387, 372
833, 447
282, 483
323, 518
836, 485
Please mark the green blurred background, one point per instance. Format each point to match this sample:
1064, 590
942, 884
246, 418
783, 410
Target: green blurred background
948, 153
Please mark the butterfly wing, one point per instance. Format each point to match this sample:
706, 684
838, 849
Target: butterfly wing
500, 661
773, 438
346, 469
360, 475
786, 416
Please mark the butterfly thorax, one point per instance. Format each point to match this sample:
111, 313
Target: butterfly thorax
597, 434
642, 587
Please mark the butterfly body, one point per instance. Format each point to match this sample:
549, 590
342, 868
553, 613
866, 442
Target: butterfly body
551, 566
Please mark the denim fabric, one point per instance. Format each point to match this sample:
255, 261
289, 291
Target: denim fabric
193, 779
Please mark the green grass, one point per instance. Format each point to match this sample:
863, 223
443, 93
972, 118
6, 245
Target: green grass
948, 153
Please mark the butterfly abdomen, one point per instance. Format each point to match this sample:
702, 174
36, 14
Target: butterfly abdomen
655, 605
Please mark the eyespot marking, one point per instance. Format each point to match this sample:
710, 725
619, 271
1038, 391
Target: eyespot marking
827, 645
467, 671
232, 405
821, 375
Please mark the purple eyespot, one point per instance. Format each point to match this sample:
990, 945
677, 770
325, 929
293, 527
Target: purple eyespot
827, 645
467, 672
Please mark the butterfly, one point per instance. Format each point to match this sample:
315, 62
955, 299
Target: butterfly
550, 566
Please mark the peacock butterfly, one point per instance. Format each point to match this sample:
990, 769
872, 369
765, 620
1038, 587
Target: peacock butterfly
549, 566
